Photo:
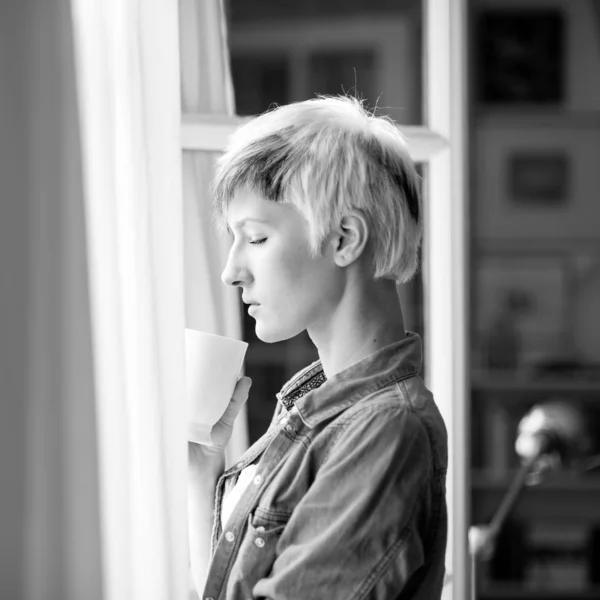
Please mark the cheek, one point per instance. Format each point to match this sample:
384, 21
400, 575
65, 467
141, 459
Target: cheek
315, 284
290, 282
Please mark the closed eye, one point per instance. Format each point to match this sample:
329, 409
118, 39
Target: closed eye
258, 242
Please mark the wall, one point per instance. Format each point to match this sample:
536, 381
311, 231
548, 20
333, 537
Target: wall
575, 128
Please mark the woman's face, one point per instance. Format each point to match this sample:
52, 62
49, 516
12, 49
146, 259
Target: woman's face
287, 289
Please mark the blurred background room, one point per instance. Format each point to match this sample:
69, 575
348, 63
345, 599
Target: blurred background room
111, 117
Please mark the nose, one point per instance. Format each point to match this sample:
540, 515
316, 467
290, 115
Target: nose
234, 273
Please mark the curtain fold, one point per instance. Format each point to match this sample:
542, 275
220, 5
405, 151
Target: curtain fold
61, 538
127, 67
206, 89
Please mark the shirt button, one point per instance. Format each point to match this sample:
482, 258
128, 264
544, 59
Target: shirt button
229, 536
284, 421
259, 542
260, 528
239, 465
289, 429
257, 480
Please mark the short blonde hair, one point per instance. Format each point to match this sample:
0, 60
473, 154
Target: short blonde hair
328, 156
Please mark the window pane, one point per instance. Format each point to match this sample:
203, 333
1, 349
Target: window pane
288, 51
259, 82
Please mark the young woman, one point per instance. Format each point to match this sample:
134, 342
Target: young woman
344, 495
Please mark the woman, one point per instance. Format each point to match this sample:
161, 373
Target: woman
344, 496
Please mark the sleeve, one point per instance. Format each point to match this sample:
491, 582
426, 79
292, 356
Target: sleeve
355, 534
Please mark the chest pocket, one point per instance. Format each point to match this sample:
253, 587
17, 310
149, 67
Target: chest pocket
258, 550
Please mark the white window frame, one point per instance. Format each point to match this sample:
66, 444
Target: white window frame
441, 146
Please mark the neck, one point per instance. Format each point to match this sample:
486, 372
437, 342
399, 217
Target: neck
368, 318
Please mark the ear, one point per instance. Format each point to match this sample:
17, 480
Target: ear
350, 239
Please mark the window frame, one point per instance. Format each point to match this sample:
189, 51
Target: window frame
441, 146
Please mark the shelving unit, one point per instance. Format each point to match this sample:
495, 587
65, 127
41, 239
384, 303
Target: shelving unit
524, 385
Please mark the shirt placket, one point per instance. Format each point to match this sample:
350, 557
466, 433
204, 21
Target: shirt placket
228, 543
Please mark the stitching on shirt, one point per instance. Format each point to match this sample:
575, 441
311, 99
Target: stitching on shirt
359, 409
274, 512
401, 387
339, 426
365, 392
304, 439
437, 469
392, 551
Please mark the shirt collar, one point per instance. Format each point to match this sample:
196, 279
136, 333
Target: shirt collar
317, 398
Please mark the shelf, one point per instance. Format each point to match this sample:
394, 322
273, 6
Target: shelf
522, 384
482, 479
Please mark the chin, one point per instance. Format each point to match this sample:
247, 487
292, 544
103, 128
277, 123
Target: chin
271, 335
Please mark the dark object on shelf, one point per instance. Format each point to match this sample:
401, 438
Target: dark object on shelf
521, 56
568, 368
523, 296
504, 340
509, 560
594, 555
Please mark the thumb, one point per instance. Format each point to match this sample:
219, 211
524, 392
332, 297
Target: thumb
238, 399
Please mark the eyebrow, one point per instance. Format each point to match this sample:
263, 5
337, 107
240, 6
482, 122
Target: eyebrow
242, 222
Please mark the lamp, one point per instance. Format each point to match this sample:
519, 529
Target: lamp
552, 435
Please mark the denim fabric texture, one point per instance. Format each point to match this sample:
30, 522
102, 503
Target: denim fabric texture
348, 501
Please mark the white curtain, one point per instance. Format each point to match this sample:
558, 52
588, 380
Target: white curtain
93, 430
127, 68
206, 89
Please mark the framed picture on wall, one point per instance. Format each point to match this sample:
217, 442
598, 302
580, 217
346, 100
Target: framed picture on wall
520, 56
538, 178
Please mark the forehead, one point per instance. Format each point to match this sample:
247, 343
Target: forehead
247, 205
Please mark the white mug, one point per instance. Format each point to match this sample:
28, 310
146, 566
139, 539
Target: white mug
213, 367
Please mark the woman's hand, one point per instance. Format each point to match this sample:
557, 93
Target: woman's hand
221, 432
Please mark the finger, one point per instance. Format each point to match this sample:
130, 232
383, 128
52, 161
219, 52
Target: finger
239, 397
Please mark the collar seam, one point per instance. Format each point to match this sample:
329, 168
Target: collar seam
317, 417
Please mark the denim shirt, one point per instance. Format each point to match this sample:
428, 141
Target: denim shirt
348, 500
